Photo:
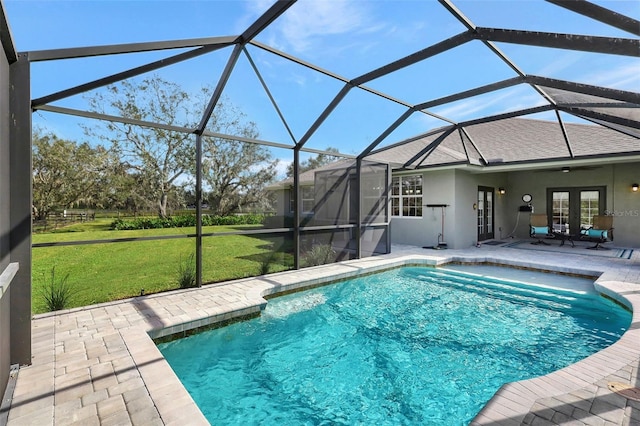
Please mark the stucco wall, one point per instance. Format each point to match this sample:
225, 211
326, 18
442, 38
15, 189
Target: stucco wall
458, 189
438, 188
466, 190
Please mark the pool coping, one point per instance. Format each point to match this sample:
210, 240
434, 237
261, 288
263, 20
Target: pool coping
130, 325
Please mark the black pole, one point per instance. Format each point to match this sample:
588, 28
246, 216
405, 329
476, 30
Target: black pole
296, 208
199, 210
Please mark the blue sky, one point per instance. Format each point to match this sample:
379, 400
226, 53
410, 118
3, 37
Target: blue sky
347, 37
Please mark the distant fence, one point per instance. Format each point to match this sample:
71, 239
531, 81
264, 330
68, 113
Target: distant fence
65, 218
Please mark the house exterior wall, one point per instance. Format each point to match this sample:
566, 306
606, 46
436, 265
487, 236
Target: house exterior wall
282, 202
620, 200
458, 189
438, 188
466, 195
625, 205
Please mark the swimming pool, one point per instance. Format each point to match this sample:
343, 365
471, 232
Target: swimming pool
409, 346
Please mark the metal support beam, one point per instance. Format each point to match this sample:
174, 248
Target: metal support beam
298, 61
601, 14
564, 133
621, 129
472, 92
338, 77
199, 210
429, 148
386, 133
512, 114
490, 45
608, 45
458, 14
585, 89
435, 144
296, 208
474, 144
411, 139
152, 125
418, 56
277, 9
271, 98
85, 52
323, 116
125, 74
358, 184
217, 93
20, 198
600, 116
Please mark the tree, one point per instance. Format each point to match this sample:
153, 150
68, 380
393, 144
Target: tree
236, 173
66, 174
157, 157
315, 162
161, 160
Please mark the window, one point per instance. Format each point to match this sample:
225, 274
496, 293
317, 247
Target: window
406, 196
307, 194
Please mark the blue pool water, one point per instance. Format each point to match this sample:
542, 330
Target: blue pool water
407, 346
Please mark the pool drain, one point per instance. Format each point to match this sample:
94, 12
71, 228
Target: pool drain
625, 389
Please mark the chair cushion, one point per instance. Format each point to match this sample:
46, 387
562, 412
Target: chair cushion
595, 233
539, 230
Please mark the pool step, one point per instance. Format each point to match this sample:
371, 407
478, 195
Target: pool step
512, 290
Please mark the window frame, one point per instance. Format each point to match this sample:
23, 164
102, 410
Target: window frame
305, 190
407, 198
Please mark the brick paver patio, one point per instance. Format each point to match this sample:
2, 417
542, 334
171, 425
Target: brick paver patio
99, 364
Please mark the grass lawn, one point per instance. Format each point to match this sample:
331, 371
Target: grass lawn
110, 271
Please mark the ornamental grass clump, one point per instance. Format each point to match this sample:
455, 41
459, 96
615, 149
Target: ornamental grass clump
57, 294
187, 272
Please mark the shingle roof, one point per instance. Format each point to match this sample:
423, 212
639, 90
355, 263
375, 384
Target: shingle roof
309, 176
513, 140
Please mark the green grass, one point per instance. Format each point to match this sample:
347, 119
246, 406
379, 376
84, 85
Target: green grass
111, 271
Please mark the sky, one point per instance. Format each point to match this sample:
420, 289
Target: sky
346, 37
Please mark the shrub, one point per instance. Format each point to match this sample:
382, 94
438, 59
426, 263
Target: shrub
185, 221
319, 255
187, 272
57, 294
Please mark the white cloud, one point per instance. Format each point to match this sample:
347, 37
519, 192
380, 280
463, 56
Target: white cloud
507, 100
561, 63
623, 78
306, 22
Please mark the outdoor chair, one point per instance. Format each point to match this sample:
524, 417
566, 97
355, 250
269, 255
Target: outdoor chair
539, 228
601, 232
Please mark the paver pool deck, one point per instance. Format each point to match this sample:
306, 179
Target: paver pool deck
99, 364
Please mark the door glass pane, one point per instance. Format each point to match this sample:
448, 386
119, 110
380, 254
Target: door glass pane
489, 212
560, 211
480, 212
589, 207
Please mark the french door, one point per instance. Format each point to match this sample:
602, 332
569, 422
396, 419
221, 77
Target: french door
485, 213
572, 209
